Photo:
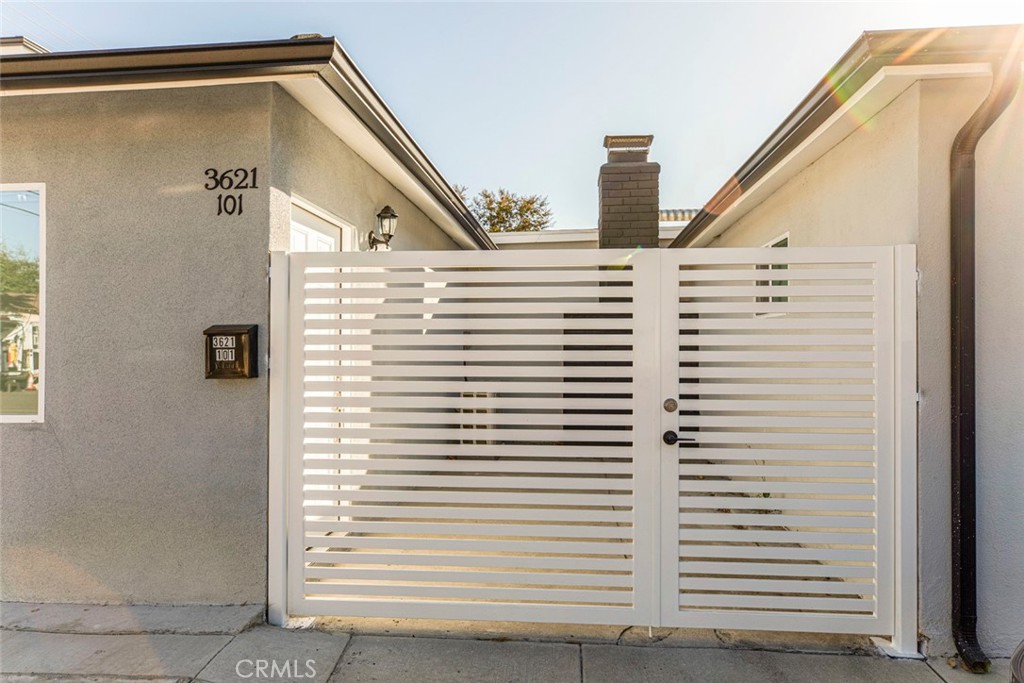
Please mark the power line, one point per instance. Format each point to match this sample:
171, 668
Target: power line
9, 7
18, 208
69, 26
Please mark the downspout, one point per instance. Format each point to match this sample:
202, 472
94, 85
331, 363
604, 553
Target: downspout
1006, 82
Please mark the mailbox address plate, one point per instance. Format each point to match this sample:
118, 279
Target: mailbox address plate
231, 351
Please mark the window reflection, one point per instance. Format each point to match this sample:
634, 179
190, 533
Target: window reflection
20, 333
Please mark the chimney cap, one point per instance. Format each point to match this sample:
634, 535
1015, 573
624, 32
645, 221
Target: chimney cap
628, 143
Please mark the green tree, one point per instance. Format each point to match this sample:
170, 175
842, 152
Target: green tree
19, 284
505, 211
18, 272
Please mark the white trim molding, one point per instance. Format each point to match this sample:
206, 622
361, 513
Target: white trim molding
38, 417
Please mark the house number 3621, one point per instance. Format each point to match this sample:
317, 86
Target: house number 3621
231, 179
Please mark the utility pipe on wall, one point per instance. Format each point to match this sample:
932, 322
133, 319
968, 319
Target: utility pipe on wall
1006, 83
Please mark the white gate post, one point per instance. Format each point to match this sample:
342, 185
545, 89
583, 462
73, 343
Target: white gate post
277, 520
646, 436
904, 641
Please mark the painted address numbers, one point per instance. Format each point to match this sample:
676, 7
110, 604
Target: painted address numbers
231, 179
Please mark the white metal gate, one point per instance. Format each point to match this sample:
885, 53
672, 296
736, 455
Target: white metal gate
483, 435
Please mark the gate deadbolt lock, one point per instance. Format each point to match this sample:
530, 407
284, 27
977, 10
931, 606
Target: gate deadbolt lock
670, 405
670, 437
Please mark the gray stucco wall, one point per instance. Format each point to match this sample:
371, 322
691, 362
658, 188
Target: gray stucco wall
888, 183
146, 483
309, 160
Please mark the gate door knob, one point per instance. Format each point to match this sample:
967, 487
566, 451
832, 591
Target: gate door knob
670, 437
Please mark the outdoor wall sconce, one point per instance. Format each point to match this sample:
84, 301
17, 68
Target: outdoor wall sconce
387, 223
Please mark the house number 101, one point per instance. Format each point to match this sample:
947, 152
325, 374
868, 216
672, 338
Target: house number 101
229, 204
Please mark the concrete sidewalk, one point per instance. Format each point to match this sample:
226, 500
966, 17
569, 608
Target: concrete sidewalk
222, 645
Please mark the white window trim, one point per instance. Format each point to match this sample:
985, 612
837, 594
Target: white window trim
348, 238
776, 240
769, 245
41, 390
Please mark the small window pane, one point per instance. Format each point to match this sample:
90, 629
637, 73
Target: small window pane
20, 336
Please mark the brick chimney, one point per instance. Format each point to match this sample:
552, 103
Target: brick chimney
628, 194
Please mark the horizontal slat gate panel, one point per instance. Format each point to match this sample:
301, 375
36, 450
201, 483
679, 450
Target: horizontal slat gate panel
403, 527
433, 480
775, 569
771, 504
465, 576
392, 293
616, 325
393, 591
766, 502
473, 561
473, 437
479, 340
754, 552
420, 512
467, 433
465, 436
465, 403
579, 388
474, 355
466, 449
463, 465
464, 418
550, 546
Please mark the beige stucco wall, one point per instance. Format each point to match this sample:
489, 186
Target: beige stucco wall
148, 483
888, 183
310, 161
1000, 379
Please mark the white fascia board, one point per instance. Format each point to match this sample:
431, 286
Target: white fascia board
155, 85
313, 94
573, 235
880, 91
545, 236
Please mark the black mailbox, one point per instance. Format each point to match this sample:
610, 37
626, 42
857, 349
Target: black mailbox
231, 352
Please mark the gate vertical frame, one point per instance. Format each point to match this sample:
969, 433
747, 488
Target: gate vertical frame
885, 437
667, 489
277, 456
647, 346
296, 407
904, 641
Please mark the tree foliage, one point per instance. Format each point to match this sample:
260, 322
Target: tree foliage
18, 272
505, 211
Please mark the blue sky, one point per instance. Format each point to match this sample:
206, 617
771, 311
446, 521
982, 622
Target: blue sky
19, 222
520, 95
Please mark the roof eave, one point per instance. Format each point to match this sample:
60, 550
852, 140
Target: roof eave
868, 55
267, 60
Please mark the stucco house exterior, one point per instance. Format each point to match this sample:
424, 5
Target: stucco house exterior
120, 144
144, 160
865, 159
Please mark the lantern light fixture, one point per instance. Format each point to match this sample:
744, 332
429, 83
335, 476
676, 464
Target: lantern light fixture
387, 223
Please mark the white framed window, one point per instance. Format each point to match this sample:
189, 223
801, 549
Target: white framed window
779, 242
314, 229
22, 301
